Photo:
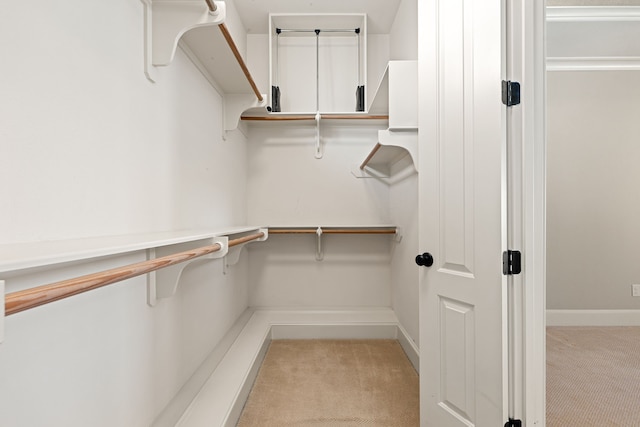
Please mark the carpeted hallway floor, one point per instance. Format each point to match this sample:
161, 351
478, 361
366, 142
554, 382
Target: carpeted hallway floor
334, 383
593, 376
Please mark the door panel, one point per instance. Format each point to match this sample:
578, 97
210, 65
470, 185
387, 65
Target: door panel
461, 137
457, 368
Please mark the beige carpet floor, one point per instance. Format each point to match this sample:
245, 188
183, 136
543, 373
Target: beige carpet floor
593, 376
334, 383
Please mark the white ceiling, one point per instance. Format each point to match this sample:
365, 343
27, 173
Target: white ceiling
255, 13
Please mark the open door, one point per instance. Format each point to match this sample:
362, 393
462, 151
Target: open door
463, 362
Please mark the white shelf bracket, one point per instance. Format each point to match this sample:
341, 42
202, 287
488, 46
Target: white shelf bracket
164, 283
398, 236
236, 104
233, 256
2, 312
165, 21
319, 251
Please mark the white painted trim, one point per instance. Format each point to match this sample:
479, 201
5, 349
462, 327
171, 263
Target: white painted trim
221, 399
410, 348
181, 401
593, 64
593, 317
534, 213
592, 13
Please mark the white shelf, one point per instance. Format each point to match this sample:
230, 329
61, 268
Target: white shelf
21, 256
206, 40
258, 116
396, 95
380, 101
395, 153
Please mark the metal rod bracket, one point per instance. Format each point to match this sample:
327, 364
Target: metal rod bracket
318, 151
319, 251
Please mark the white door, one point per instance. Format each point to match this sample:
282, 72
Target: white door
462, 297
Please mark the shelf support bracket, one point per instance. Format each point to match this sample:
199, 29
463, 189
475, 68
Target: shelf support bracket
398, 236
164, 283
319, 251
233, 255
2, 312
166, 21
236, 104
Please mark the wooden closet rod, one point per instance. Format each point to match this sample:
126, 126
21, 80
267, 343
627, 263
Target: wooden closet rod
16, 302
236, 53
370, 156
317, 30
325, 116
333, 230
212, 6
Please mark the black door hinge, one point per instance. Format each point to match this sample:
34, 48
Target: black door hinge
510, 93
511, 262
513, 423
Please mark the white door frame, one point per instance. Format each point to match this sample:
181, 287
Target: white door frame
533, 100
529, 392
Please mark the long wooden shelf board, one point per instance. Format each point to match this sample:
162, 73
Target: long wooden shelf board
20, 256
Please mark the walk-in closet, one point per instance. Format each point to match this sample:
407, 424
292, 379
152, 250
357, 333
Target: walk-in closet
235, 172
208, 203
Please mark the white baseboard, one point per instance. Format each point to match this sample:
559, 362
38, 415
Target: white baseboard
593, 317
221, 399
178, 405
409, 347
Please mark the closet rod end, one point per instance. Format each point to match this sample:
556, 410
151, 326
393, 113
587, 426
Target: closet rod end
213, 7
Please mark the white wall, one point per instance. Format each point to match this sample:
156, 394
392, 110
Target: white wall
405, 274
90, 147
288, 186
403, 45
403, 38
593, 226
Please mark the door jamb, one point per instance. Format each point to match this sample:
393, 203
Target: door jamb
533, 97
